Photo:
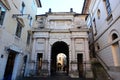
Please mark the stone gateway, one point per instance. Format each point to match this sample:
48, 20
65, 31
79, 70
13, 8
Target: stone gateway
61, 32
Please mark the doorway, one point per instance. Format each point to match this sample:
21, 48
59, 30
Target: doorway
58, 48
9, 65
39, 62
80, 64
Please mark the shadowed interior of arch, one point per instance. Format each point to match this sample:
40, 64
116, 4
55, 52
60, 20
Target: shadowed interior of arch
57, 48
114, 36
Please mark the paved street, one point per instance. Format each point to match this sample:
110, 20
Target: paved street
52, 78
57, 76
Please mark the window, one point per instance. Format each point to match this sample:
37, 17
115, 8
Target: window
98, 13
97, 47
23, 7
19, 30
108, 8
94, 27
114, 36
2, 14
28, 38
115, 49
30, 23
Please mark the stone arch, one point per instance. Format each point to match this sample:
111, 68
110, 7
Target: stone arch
114, 34
59, 47
56, 40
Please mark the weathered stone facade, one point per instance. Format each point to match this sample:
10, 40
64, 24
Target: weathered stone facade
104, 21
15, 24
61, 32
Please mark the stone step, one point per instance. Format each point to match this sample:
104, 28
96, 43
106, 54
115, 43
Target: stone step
59, 75
56, 77
52, 78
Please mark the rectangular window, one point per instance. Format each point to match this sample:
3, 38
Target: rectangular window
28, 38
23, 7
2, 14
19, 30
94, 27
108, 8
30, 23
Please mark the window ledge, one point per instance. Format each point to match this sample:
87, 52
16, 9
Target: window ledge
109, 18
17, 38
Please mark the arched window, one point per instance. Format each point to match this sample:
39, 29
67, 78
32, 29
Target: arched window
97, 46
98, 13
115, 47
114, 36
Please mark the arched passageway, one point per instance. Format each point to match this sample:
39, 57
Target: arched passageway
57, 48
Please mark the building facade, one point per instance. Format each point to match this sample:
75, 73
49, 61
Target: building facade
104, 21
16, 18
61, 32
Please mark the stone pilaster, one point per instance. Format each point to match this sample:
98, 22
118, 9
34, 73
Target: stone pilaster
73, 49
33, 50
32, 61
45, 62
73, 63
46, 48
87, 64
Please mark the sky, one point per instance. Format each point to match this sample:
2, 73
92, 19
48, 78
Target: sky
60, 6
